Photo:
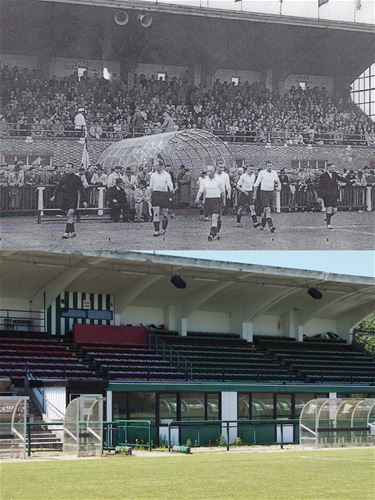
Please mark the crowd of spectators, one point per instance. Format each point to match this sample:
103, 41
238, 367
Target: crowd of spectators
248, 112
298, 185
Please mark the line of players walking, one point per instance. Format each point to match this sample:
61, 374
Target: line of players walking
213, 196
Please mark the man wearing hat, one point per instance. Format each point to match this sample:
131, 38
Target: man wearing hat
71, 190
15, 182
328, 190
130, 184
80, 123
99, 178
117, 201
116, 174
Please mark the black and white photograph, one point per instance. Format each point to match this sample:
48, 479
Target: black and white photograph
113, 115
187, 249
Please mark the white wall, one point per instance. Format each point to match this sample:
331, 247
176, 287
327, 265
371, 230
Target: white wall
57, 397
312, 81
225, 75
145, 315
62, 67
267, 324
153, 69
316, 325
208, 321
229, 412
20, 61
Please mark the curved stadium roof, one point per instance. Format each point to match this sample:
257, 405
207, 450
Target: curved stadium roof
192, 148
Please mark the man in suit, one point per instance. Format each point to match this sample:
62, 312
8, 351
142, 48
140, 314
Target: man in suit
117, 200
328, 190
72, 192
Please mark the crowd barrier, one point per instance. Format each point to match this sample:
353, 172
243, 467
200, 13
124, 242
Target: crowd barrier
30, 199
331, 138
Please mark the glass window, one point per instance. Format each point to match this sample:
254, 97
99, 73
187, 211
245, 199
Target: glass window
243, 405
262, 406
192, 406
213, 406
284, 406
119, 406
300, 399
167, 408
142, 406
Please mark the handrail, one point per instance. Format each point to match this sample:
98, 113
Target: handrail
43, 407
159, 343
332, 137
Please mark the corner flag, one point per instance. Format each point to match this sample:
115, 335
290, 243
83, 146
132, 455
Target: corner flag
322, 2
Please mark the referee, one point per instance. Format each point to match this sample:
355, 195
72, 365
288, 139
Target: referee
161, 188
267, 182
328, 190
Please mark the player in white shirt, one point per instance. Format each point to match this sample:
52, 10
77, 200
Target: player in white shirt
161, 188
223, 179
213, 194
245, 186
266, 184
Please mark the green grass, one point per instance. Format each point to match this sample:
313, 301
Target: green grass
341, 474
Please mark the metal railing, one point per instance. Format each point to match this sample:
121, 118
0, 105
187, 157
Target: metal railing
170, 355
232, 136
227, 425
36, 199
116, 433
21, 320
38, 395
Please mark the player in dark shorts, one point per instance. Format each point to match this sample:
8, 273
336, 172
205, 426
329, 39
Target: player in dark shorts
161, 188
213, 194
71, 190
245, 187
265, 186
328, 190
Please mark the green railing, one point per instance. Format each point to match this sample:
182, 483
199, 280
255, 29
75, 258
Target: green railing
36, 425
227, 425
118, 433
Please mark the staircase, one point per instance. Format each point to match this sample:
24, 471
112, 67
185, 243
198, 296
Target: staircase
42, 439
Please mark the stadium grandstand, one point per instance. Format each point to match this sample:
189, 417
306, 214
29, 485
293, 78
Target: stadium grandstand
167, 339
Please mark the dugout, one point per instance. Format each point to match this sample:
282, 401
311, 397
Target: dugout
195, 149
337, 422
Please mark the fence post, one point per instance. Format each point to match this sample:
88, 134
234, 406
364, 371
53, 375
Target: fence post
368, 199
282, 435
28, 439
278, 202
149, 436
227, 435
40, 190
101, 200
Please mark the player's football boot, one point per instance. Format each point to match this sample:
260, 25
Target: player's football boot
273, 229
65, 236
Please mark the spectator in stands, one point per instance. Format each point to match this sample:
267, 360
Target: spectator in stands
99, 178
129, 184
16, 181
116, 174
80, 123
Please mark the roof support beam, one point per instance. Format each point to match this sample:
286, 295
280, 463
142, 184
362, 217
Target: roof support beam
125, 299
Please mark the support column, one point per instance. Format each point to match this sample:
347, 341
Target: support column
229, 412
247, 331
40, 190
170, 318
290, 324
368, 199
183, 327
300, 334
101, 200
109, 415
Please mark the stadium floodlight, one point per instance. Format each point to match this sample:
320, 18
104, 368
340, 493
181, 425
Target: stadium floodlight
145, 19
178, 282
315, 293
121, 18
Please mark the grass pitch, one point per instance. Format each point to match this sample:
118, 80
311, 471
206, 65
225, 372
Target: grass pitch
294, 231
331, 474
